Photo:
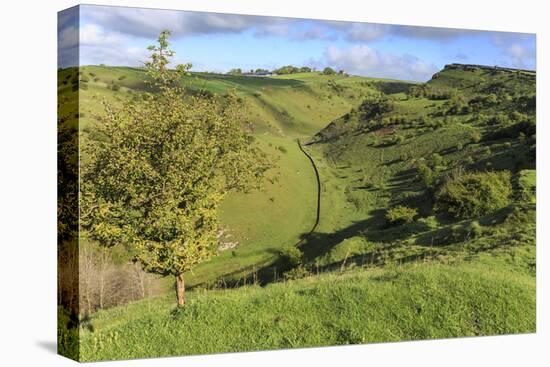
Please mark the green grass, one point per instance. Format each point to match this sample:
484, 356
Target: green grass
422, 301
260, 220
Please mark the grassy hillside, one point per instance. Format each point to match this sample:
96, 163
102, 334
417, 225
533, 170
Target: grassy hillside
427, 216
373, 160
281, 106
369, 305
280, 110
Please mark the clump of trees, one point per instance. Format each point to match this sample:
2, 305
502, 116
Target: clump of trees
290, 69
471, 195
155, 181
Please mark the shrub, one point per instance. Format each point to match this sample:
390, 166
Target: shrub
425, 174
430, 222
122, 77
298, 272
474, 229
282, 149
401, 214
474, 194
436, 160
527, 181
475, 137
291, 256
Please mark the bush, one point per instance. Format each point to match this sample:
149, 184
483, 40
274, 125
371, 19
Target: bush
430, 222
296, 273
474, 229
291, 256
282, 149
401, 215
425, 174
122, 77
474, 194
436, 160
527, 181
475, 137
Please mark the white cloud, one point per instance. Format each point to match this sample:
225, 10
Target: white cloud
94, 35
125, 56
364, 60
97, 46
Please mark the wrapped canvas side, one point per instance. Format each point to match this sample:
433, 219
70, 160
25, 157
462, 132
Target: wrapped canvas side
68, 290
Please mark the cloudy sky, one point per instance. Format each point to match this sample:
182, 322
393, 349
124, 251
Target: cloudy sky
219, 42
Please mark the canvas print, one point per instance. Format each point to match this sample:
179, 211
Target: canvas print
232, 183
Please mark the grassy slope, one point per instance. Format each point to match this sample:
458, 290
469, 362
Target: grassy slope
364, 172
281, 109
419, 301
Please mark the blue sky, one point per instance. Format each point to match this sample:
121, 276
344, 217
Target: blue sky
219, 42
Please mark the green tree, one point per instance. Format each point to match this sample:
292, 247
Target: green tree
155, 181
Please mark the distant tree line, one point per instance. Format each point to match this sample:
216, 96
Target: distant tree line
285, 70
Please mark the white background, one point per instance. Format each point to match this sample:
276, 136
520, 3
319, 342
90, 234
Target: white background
28, 182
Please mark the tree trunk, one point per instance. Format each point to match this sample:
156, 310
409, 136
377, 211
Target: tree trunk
180, 290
